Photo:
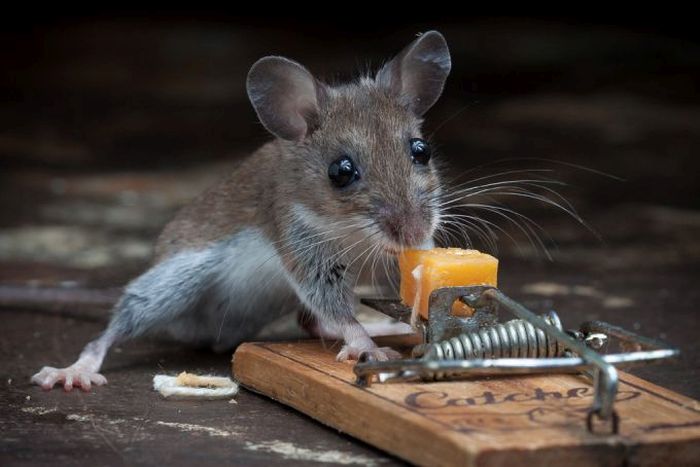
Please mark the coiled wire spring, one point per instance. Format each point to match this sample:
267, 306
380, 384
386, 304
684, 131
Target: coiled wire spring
513, 339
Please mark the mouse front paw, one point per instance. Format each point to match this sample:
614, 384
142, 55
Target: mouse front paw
378, 354
70, 377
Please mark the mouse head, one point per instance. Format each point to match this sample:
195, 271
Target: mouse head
354, 156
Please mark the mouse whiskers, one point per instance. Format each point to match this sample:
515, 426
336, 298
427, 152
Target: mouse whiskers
482, 209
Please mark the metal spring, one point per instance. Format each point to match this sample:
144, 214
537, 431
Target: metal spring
514, 339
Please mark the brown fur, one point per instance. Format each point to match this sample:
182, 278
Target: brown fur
359, 119
237, 201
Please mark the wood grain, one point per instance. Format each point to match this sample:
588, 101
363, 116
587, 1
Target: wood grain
489, 422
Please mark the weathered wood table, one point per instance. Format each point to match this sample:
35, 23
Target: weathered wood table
126, 421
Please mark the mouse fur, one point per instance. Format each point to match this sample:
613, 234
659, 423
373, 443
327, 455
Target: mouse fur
276, 234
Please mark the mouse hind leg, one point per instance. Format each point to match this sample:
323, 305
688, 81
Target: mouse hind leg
162, 294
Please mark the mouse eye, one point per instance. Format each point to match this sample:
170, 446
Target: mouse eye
420, 151
343, 172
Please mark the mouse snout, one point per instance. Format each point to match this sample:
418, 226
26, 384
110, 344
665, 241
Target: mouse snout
405, 227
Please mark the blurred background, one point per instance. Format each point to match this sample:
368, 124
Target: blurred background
112, 120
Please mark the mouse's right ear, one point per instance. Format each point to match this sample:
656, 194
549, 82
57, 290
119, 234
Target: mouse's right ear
285, 96
418, 73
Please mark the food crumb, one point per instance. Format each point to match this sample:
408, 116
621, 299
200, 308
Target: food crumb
205, 387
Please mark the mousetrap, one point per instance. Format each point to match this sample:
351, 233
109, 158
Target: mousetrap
483, 390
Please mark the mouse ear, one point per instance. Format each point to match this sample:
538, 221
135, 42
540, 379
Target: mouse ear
285, 97
418, 73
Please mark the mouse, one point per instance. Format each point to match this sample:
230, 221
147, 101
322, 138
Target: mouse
347, 173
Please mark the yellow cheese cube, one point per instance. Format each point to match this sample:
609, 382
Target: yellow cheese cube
443, 267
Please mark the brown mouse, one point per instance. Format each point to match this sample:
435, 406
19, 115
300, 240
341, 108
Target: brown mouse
347, 174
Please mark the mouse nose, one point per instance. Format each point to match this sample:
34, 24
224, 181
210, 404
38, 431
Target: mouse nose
406, 227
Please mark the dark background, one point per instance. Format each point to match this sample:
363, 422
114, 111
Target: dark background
111, 120
124, 91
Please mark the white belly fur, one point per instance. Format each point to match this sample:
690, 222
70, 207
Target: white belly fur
249, 289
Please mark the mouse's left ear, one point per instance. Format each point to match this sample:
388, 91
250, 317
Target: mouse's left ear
418, 73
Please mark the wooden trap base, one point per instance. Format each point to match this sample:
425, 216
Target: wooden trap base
498, 421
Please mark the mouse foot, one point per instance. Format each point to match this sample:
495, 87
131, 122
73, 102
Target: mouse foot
70, 377
379, 354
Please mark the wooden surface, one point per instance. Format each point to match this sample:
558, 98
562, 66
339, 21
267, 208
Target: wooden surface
485, 422
126, 423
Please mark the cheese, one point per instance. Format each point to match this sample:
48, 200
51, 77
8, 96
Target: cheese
423, 271
197, 381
